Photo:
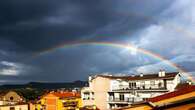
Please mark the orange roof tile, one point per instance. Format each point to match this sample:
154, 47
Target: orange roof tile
66, 94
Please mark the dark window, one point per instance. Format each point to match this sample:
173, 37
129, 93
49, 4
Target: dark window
70, 104
11, 98
86, 96
92, 96
143, 87
160, 85
12, 108
145, 99
132, 85
122, 97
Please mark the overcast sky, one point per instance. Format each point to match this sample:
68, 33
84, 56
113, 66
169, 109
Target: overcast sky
27, 27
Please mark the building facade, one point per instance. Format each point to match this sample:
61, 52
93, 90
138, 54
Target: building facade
97, 92
15, 107
109, 92
183, 98
10, 98
59, 101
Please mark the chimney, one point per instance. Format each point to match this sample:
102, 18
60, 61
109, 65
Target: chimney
90, 78
161, 73
141, 74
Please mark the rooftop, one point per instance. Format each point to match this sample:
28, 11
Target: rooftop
181, 91
171, 95
66, 94
170, 75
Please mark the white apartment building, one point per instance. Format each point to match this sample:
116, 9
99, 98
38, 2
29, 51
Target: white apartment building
109, 92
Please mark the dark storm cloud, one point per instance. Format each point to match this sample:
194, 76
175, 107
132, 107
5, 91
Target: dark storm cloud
49, 23
30, 26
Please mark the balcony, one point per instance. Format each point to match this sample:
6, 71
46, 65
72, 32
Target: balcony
140, 88
125, 100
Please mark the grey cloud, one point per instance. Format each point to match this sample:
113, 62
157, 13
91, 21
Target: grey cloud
12, 68
47, 24
30, 26
172, 37
185, 62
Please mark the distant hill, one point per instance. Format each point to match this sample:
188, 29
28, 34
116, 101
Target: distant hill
47, 85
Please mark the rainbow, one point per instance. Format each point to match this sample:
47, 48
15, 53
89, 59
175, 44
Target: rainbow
129, 46
119, 45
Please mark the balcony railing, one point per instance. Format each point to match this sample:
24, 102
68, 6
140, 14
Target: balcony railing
127, 100
145, 87
88, 98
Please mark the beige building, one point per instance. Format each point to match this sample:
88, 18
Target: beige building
11, 100
96, 93
109, 92
14, 107
10, 97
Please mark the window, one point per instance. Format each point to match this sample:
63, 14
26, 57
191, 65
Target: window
70, 103
122, 97
144, 99
152, 83
160, 85
92, 96
86, 96
132, 85
12, 108
11, 98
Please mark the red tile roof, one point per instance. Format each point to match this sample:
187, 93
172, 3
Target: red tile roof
138, 77
181, 91
66, 94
